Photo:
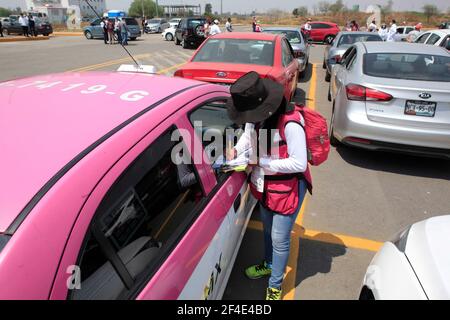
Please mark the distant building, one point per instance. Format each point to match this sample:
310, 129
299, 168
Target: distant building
57, 9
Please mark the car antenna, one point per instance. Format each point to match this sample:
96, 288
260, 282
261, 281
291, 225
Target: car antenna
128, 52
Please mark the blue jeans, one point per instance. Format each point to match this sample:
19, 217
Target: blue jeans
124, 38
277, 238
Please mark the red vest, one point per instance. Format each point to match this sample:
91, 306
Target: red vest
281, 190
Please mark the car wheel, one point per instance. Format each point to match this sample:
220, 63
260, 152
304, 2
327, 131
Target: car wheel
159, 30
169, 37
328, 39
6, 31
88, 35
184, 44
333, 141
327, 77
133, 38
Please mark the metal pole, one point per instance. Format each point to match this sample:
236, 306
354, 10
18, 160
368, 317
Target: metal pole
221, 7
156, 3
143, 13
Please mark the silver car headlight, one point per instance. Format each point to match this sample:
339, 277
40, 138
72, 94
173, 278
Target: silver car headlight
400, 239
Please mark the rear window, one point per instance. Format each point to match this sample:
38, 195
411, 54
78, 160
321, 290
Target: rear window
293, 37
237, 51
3, 241
405, 66
131, 22
349, 39
195, 22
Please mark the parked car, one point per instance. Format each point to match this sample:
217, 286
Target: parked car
402, 32
298, 43
190, 32
157, 25
323, 31
95, 31
440, 38
392, 96
13, 26
414, 265
169, 34
108, 200
225, 57
174, 22
340, 44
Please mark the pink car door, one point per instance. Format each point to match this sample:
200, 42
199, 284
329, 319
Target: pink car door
151, 224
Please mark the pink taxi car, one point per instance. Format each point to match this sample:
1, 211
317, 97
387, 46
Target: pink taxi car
92, 205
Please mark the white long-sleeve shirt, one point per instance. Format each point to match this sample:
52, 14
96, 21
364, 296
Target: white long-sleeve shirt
297, 162
392, 32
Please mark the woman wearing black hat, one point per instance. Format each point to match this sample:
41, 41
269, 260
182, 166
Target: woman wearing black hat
280, 177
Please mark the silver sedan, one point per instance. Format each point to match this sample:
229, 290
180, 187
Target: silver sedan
340, 44
393, 97
298, 44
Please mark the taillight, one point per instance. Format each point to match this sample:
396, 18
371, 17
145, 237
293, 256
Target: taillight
360, 93
178, 73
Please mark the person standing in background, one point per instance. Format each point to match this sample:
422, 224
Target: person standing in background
215, 29
229, 26
413, 35
23, 21
354, 26
207, 27
254, 24
392, 31
110, 30
124, 32
1, 29
117, 29
105, 31
383, 32
32, 26
373, 26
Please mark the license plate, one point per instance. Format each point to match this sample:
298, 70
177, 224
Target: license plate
420, 108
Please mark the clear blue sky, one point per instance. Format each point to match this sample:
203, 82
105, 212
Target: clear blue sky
261, 5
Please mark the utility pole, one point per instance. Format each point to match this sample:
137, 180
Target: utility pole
221, 7
156, 3
143, 13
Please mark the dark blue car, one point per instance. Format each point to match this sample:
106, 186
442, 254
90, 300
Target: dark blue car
95, 31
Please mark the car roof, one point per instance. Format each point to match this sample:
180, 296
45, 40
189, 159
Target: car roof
44, 129
282, 29
342, 33
326, 22
441, 32
396, 47
246, 36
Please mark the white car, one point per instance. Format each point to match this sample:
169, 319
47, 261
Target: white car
169, 34
415, 265
439, 38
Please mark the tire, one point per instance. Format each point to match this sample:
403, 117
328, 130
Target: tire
329, 37
327, 77
169, 37
199, 31
88, 35
133, 38
333, 141
159, 30
184, 44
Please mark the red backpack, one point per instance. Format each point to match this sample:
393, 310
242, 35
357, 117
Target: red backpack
317, 139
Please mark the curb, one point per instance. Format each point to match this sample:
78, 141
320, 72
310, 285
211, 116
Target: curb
21, 39
67, 34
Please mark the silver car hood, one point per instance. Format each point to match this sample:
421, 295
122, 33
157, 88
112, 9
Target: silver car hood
428, 251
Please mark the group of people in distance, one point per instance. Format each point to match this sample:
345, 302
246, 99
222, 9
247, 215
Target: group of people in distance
115, 30
213, 28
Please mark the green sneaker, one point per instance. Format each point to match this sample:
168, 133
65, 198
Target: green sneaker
258, 271
273, 294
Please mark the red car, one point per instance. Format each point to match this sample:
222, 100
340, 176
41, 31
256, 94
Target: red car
225, 57
323, 31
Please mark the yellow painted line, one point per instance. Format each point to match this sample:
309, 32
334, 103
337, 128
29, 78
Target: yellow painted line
171, 68
311, 102
327, 237
22, 39
291, 269
340, 239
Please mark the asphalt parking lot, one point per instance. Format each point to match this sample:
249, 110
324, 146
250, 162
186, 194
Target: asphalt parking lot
360, 198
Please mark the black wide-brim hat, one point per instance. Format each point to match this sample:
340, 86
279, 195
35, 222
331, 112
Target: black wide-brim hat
254, 99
